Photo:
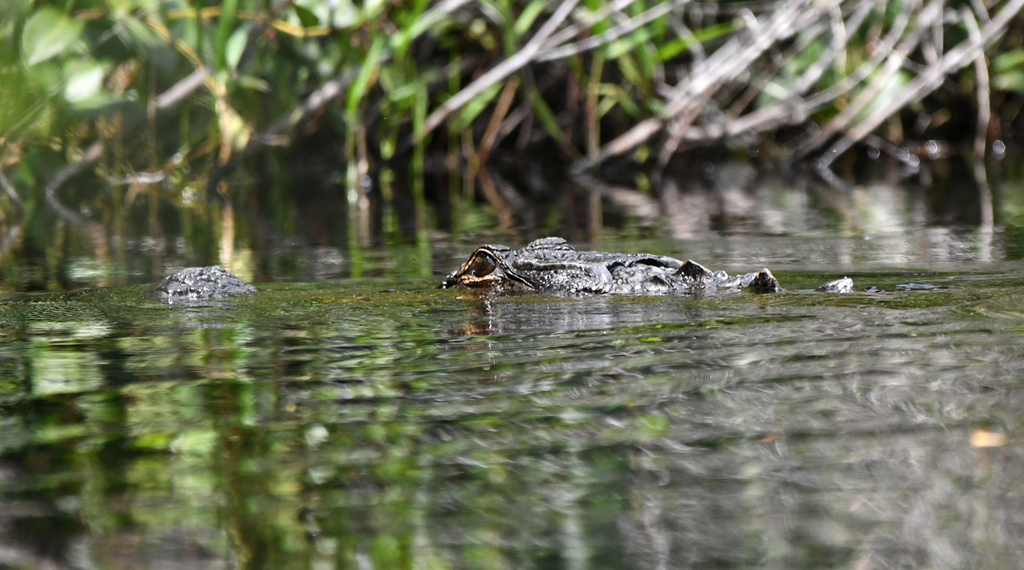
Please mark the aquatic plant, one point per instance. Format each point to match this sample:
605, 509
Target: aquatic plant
408, 111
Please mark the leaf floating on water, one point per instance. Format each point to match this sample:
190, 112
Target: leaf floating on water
984, 438
916, 287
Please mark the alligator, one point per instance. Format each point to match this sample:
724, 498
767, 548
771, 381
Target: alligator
547, 265
198, 285
550, 265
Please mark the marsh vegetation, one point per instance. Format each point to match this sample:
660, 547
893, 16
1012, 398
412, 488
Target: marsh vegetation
194, 126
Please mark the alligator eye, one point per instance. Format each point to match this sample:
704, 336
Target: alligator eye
482, 266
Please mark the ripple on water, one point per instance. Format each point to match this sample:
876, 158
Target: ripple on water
800, 430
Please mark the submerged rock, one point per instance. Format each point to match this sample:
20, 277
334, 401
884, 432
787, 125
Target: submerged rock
198, 284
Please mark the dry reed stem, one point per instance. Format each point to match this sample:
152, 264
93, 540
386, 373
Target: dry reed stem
710, 77
881, 80
585, 22
984, 115
500, 71
611, 34
961, 55
915, 28
727, 64
12, 193
796, 109
776, 29
687, 99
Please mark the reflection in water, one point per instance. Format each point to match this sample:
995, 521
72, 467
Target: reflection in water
533, 314
710, 214
883, 224
935, 248
391, 425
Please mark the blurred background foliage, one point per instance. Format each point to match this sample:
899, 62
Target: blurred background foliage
127, 121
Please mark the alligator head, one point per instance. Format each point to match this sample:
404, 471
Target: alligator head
488, 267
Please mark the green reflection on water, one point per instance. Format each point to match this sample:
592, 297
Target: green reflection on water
386, 424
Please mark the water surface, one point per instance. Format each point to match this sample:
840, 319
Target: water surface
383, 423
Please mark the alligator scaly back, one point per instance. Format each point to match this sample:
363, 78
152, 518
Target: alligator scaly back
200, 284
550, 265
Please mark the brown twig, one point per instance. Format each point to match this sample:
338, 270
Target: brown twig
497, 118
477, 158
476, 172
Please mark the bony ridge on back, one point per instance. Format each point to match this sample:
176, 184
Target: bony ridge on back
551, 265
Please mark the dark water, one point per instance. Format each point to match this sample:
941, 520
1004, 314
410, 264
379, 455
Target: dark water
382, 423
